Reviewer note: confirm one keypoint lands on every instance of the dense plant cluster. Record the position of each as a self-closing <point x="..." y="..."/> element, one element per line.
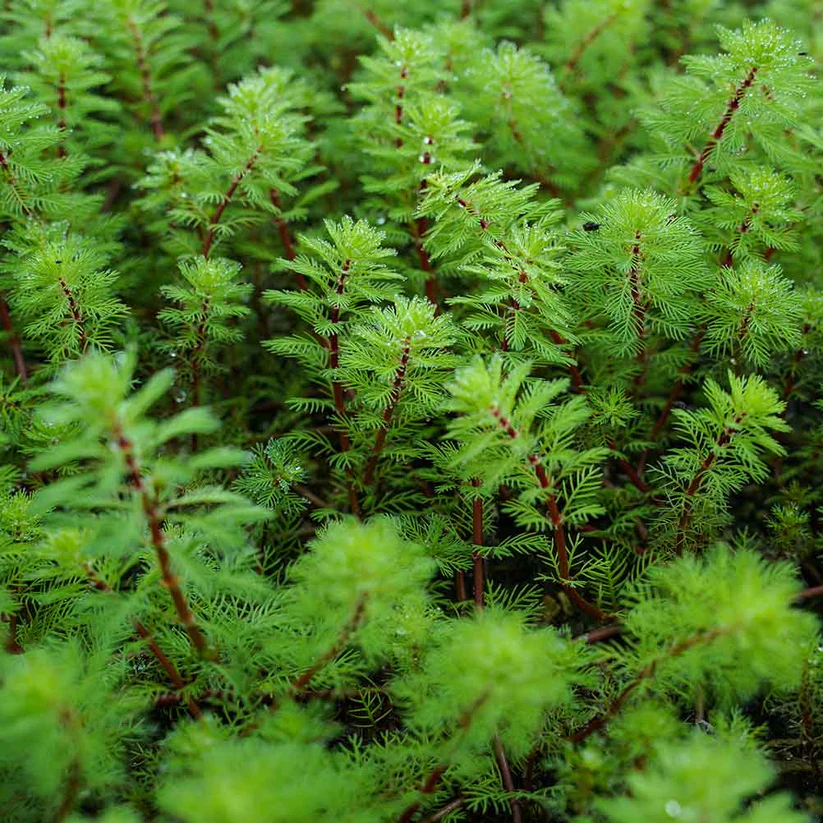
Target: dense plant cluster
<point x="411" y="411"/>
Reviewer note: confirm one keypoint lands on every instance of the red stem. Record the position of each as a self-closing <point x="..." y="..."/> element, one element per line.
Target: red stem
<point x="73" y="782"/>
<point x="685" y="518"/>
<point x="580" y="49"/>
<point x="645" y="673"/>
<point x="717" y="134"/>
<point x="158" y="541"/>
<point x="436" y="774"/>
<point x="76" y="313"/>
<point x="302" y="682"/>
<point x="285" y="238"/>
<point x="166" y="664"/>
<point x="14" y="341"/>
<point x="677" y="389"/>
<point x="506" y="779"/>
<point x="556" y="519"/>
<point x="337" y="387"/>
<point x="478" y="570"/>
<point x="558" y="338"/>
<point x="149" y="96"/>
<point x="397" y="389"/>
<point x="218" y="212"/>
<point x="61" y="105"/>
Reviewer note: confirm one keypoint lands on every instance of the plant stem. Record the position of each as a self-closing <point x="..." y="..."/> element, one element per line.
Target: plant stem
<point x="71" y="791"/>
<point x="76" y="313"/>
<point x="677" y="388"/>
<point x="506" y="779"/>
<point x="477" y="558"/>
<point x="570" y="66"/>
<point x="640" y="310"/>
<point x="218" y="212"/>
<point x="158" y="541"/>
<point x="434" y="777"/>
<point x="717" y="134"/>
<point x="14" y="341"/>
<point x="149" y="96"/>
<point x="447" y="809"/>
<point x="688" y="506"/>
<point x="337" y="387"/>
<point x="285" y="237"/>
<point x="743" y="228"/>
<point x="646" y="673"/>
<point x="394" y="397"/>
<point x="61" y="106"/>
<point x="166" y="664"/>
<point x="12" y="646"/>
<point x="556" y="519"/>
<point x="558" y="338"/>
<point x="300" y="684"/>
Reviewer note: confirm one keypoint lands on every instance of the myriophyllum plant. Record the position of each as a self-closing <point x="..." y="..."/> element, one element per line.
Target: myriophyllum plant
<point x="410" y="412"/>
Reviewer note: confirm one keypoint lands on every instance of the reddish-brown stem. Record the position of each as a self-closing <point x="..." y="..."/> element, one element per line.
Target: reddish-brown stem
<point x="285" y="238"/>
<point x="76" y="313"/>
<point x="200" y="338"/>
<point x="13" y="183"/>
<point x="373" y="18"/>
<point x="301" y="683"/>
<point x="798" y="357"/>
<point x="151" y="510"/>
<point x="640" y="308"/>
<point x="677" y="388"/>
<point x="214" y="31"/>
<point x="73" y="782"/>
<point x="447" y="809"/>
<point x="223" y="205"/>
<point x="478" y="570"/>
<point x="580" y="49"/>
<point x="460" y="586"/>
<point x="743" y="228"/>
<point x="61" y="106"/>
<point x="558" y="338"/>
<point x="717" y="134"/>
<point x="14" y="341"/>
<point x="398" y="106"/>
<point x="337" y="387"/>
<point x="556" y="519"/>
<point x="646" y="673"/>
<point x="11" y="645"/>
<point x="722" y="441"/>
<point x="165" y="663"/>
<point x="600" y="634"/>
<point x="421" y="226"/>
<point x="506" y="779"/>
<point x="465" y="9"/>
<point x="149" y="96"/>
<point x="435" y="776"/>
<point x="808" y="594"/>
<point x="631" y="472"/>
<point x="398" y="385"/>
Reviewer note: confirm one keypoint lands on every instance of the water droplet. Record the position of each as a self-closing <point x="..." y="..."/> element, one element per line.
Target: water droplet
<point x="380" y="219"/>
<point x="180" y="397"/>
<point x="674" y="809"/>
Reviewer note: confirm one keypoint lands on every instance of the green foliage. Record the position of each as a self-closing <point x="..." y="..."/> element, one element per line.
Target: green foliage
<point x="410" y="411"/>
<point x="699" y="777"/>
